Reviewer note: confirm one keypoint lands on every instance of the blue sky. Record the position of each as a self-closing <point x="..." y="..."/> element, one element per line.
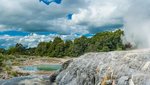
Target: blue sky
<point x="30" y="21"/>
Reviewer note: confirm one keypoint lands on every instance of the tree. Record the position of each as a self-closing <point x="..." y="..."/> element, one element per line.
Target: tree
<point x="79" y="46"/>
<point x="11" y="50"/>
<point x="2" y="58"/>
<point x="41" y="49"/>
<point x="2" y="50"/>
<point x="105" y="49"/>
<point x="59" y="50"/>
<point x="67" y="47"/>
<point x="57" y="40"/>
<point x="102" y="41"/>
<point x="19" y="48"/>
<point x="56" y="47"/>
<point x="30" y="51"/>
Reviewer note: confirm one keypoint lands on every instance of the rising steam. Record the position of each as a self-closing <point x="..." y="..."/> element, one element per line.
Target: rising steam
<point x="137" y="23"/>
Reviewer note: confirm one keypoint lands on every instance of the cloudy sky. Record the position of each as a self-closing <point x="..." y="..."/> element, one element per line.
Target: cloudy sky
<point x="30" y="21"/>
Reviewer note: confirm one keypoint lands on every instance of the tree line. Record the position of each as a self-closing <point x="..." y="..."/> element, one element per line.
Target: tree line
<point x="100" y="42"/>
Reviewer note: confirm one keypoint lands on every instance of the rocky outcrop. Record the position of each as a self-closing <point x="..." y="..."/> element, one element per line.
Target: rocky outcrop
<point x="108" y="68"/>
<point x="54" y="75"/>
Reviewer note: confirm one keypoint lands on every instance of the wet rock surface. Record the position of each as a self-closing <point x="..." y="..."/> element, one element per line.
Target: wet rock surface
<point x="108" y="68"/>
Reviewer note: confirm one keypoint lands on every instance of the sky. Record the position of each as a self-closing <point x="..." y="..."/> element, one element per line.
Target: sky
<point x="29" y="21"/>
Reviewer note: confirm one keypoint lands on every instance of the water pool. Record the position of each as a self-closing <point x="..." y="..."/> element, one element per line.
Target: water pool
<point x="49" y="67"/>
<point x="29" y="68"/>
<point x="42" y="67"/>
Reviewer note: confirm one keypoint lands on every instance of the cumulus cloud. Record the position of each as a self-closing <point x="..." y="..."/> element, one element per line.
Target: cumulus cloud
<point x="2" y="27"/>
<point x="32" y="16"/>
<point x="31" y="40"/>
<point x="102" y="13"/>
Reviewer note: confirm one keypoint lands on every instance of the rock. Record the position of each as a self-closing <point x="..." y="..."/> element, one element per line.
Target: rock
<point x="146" y="65"/>
<point x="65" y="65"/>
<point x="123" y="80"/>
<point x="54" y="75"/>
<point x="35" y="81"/>
<point x="131" y="82"/>
<point x="109" y="82"/>
<point x="2" y="81"/>
<point x="28" y="80"/>
<point x="95" y="68"/>
<point x="113" y="82"/>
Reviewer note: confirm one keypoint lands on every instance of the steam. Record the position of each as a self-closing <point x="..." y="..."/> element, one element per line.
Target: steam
<point x="137" y="24"/>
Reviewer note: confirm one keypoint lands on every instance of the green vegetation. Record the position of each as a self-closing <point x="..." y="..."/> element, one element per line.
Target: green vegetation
<point x="101" y="42"/>
<point x="6" y="63"/>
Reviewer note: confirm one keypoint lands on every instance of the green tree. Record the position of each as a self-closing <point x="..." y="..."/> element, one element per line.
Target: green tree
<point x="105" y="49"/>
<point x="2" y="58"/>
<point x="79" y="46"/>
<point x="56" y="48"/>
<point x="68" y="46"/>
<point x="11" y="50"/>
<point x="2" y="50"/>
<point x="59" y="50"/>
<point x="102" y="41"/>
<point x="19" y="48"/>
<point x="41" y="49"/>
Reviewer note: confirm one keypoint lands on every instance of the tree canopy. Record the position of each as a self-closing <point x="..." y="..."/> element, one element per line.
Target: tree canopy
<point x="100" y="42"/>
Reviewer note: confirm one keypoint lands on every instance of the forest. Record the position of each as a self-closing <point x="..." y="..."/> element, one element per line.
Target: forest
<point x="100" y="42"/>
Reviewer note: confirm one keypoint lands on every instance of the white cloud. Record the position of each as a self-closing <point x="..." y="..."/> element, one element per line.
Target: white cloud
<point x="2" y="27"/>
<point x="31" y="15"/>
<point x="101" y="12"/>
<point x="31" y="40"/>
